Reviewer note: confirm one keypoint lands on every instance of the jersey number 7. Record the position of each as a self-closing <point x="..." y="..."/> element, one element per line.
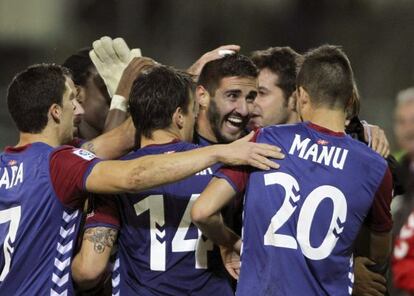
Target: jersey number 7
<point x="12" y="215"/>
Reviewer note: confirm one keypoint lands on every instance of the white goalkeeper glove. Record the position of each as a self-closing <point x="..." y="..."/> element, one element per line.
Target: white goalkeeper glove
<point x="110" y="58"/>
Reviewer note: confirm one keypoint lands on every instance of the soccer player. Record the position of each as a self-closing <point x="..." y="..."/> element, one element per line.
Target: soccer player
<point x="92" y="94"/>
<point x="276" y="101"/>
<point x="225" y="88"/>
<point x="160" y="252"/>
<point x="301" y="221"/>
<point x="42" y="183"/>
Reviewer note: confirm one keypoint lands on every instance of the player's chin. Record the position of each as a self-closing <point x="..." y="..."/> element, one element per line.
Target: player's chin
<point x="255" y="123"/>
<point x="232" y="136"/>
<point x="75" y="132"/>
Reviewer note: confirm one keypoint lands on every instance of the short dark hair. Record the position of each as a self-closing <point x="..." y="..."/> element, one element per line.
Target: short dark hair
<point x="327" y="76"/>
<point x="284" y="62"/>
<point x="32" y="92"/>
<point x="156" y="95"/>
<point x="230" y="65"/>
<point x="80" y="65"/>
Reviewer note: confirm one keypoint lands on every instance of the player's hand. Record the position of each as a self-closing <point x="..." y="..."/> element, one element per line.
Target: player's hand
<point x="137" y="66"/>
<point x="110" y="58"/>
<point x="243" y="152"/>
<point x="215" y="54"/>
<point x="367" y="283"/>
<point x="231" y="259"/>
<point x="377" y="140"/>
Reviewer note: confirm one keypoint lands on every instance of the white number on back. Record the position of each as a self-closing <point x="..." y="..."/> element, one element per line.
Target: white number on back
<point x="201" y="246"/>
<point x="306" y="215"/>
<point x="11" y="215"/>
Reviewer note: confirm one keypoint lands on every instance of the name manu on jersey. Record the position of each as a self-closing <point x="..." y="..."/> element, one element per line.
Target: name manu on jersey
<point x="318" y="152"/>
<point x="11" y="175"/>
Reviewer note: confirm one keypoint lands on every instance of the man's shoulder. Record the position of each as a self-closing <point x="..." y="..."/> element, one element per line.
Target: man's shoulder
<point x="176" y="146"/>
<point x="366" y="152"/>
<point x="282" y="128"/>
<point x="278" y="132"/>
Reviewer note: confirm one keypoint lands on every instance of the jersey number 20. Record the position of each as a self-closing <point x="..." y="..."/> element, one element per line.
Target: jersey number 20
<point x="306" y="215"/>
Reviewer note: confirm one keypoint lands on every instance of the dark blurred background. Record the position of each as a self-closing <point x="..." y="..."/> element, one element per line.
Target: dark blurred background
<point x="376" y="34"/>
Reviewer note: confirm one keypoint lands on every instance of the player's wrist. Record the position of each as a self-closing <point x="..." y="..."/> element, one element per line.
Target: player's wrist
<point x="221" y="153"/>
<point x="119" y="102"/>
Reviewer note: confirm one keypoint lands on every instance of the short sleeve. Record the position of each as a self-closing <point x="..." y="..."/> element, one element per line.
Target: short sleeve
<point x="103" y="212"/>
<point x="379" y="218"/>
<point x="69" y="169"/>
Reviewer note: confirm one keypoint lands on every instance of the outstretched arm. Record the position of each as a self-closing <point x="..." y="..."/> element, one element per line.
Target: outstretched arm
<point x="155" y="170"/>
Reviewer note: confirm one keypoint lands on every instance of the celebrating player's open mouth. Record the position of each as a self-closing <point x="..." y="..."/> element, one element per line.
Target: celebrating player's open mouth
<point x="235" y="123"/>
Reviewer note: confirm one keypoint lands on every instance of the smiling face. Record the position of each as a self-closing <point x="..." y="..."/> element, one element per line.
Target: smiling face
<point x="228" y="111"/>
<point x="270" y="106"/>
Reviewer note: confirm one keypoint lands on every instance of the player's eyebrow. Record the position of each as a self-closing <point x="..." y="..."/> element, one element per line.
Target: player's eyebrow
<point x="233" y="91"/>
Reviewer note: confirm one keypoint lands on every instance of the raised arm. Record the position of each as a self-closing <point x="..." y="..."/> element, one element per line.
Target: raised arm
<point x="115" y="143"/>
<point x="218" y="53"/>
<point x="119" y="104"/>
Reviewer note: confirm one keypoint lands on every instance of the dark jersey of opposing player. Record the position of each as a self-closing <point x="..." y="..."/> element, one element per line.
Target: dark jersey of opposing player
<point x="300" y="221"/>
<point x="160" y="252"/>
<point x="39" y="218"/>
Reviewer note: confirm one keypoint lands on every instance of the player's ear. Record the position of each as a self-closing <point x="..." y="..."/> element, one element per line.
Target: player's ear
<point x="292" y="101"/>
<point x="55" y="112"/>
<point x="302" y="97"/>
<point x="202" y="97"/>
<point x="178" y="118"/>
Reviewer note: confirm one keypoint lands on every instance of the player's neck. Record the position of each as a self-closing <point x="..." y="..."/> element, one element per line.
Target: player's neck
<point x="160" y="137"/>
<point x="293" y="118"/>
<point x="46" y="136"/>
<point x="204" y="128"/>
<point x="333" y="120"/>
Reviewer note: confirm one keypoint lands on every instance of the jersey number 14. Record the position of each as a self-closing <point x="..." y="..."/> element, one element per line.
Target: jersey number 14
<point x="155" y="205"/>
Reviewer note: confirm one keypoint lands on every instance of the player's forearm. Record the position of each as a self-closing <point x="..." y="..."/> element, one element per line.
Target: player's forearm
<point x="85" y="278"/>
<point x="149" y="171"/>
<point x="380" y="247"/>
<point x="114" y="143"/>
<point x="214" y="228"/>
<point x="152" y="171"/>
<point x="114" y="119"/>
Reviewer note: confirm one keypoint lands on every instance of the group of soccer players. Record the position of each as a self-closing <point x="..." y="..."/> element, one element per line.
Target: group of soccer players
<point x="236" y="168"/>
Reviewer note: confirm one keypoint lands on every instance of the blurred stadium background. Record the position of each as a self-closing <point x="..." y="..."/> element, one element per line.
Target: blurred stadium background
<point x="376" y="34"/>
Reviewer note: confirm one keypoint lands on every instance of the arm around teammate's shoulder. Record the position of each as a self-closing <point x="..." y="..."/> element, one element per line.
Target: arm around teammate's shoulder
<point x="154" y="170"/>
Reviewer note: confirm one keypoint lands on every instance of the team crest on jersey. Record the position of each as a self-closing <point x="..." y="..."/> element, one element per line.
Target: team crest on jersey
<point x="85" y="154"/>
<point x="322" y="142"/>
